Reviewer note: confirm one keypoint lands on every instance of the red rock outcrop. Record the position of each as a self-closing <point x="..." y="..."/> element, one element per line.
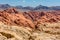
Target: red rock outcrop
<point x="12" y="17"/>
<point x="31" y="18"/>
<point x="42" y="16"/>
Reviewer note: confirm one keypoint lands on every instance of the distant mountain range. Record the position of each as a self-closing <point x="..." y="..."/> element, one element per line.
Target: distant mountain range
<point x="40" y="7"/>
<point x="4" y="6"/>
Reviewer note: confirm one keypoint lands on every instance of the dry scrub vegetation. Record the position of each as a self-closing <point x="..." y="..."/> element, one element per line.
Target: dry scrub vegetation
<point x="45" y="31"/>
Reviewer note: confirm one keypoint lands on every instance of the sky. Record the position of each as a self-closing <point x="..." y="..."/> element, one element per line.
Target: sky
<point x="32" y="3"/>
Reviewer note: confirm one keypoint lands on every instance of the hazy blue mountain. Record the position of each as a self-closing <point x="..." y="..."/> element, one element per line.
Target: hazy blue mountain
<point x="39" y="7"/>
<point x="19" y="7"/>
<point x="28" y="7"/>
<point x="4" y="6"/>
<point x="55" y="7"/>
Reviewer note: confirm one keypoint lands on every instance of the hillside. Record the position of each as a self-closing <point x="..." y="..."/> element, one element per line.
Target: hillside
<point x="30" y="25"/>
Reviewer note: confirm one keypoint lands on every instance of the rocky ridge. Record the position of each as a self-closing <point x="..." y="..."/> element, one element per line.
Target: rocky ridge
<point x="30" y="18"/>
<point x="31" y="25"/>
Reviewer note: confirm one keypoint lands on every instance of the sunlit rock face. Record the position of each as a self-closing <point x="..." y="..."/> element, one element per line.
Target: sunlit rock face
<point x="48" y="32"/>
<point x="30" y="18"/>
<point x="30" y="25"/>
<point x="42" y="16"/>
<point x="13" y="17"/>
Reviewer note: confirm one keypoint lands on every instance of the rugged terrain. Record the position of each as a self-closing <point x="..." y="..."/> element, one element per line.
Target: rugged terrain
<point x="30" y="25"/>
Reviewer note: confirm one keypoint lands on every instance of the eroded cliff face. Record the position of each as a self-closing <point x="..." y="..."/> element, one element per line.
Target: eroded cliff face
<point x="31" y="25"/>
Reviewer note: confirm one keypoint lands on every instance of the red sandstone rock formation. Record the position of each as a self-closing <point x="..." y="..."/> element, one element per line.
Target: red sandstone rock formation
<point x="13" y="17"/>
<point x="31" y="18"/>
<point x="42" y="16"/>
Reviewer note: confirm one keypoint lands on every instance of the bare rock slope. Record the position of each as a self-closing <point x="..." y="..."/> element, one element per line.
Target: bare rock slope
<point x="31" y="25"/>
